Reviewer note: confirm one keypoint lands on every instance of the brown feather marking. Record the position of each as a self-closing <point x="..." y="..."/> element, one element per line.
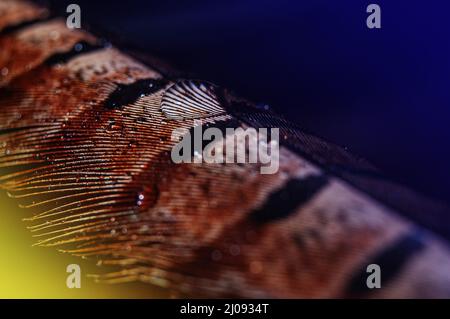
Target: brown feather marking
<point x="13" y="12"/>
<point x="31" y="46"/>
<point x="100" y="183"/>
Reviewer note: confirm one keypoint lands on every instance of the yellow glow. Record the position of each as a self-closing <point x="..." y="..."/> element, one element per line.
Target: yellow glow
<point x="38" y="272"/>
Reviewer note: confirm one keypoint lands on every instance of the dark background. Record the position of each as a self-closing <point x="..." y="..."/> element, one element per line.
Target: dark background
<point x="384" y="94"/>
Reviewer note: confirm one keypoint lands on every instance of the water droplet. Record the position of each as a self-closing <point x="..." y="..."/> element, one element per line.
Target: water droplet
<point x="132" y="143"/>
<point x="78" y="47"/>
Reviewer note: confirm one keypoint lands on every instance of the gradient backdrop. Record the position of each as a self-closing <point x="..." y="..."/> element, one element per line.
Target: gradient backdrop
<point x="384" y="94"/>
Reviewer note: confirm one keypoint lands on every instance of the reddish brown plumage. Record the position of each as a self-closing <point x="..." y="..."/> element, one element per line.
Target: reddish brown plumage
<point x="99" y="181"/>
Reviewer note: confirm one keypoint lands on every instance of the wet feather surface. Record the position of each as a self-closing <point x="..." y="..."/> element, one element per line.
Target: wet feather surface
<point x="85" y="149"/>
